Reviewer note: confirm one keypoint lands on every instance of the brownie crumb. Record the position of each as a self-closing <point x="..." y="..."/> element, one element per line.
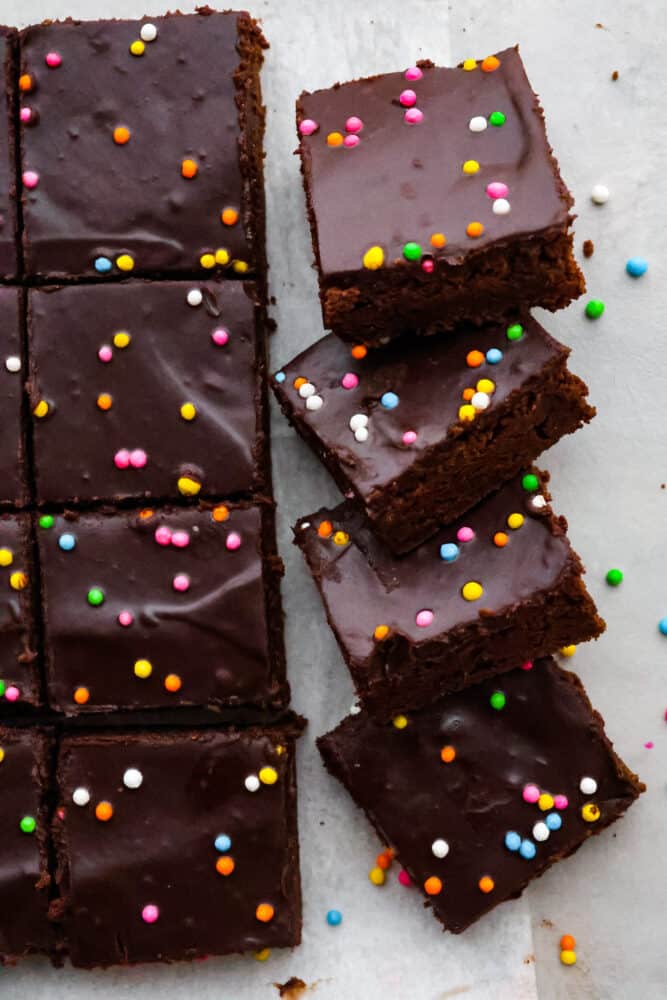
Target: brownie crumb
<point x="546" y="923"/>
<point x="292" y="989"/>
<point x="588" y="248"/>
<point x="614" y="75"/>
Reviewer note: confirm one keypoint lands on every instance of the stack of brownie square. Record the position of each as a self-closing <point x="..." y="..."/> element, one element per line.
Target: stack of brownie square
<point x="439" y="219"/>
<point x="146" y="752"/>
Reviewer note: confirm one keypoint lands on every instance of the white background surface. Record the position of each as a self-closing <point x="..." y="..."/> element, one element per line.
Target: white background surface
<point x="612" y="895"/>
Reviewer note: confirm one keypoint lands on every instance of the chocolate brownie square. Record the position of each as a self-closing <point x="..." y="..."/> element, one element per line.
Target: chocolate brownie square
<point x="418" y="434"/>
<point x="24" y="876"/>
<point x="19" y="676"/>
<point x="488" y="592"/>
<point x="141" y="145"/>
<point x="165" y="608"/>
<point x="148" y="389"/>
<point x="434" y="197"/>
<point x="8" y="221"/>
<point x="13" y="488"/>
<point x="483" y="791"/>
<point x="177" y="845"/>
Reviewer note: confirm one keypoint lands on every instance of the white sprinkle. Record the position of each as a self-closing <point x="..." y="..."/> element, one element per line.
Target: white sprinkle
<point x="314" y="403"/>
<point x="600" y="194"/>
<point x="361" y="434"/>
<point x="480" y="400"/>
<point x="541" y="832"/>
<point x="148" y="32"/>
<point x="13" y="364"/>
<point x="477" y="124"/>
<point x="440" y="848"/>
<point x="588" y="786"/>
<point x="539" y="501"/>
<point x="252" y="783"/>
<point x="354" y="709"/>
<point x="501" y="206"/>
<point x="195" y="297"/>
<point x="80" y="796"/>
<point x="358" y="420"/>
<point x="304" y="525"/>
<point x="133" y="778"/>
<point x="306" y="389"/>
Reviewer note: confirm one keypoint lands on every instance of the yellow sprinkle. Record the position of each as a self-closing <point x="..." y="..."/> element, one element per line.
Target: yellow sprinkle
<point x="545" y="802"/>
<point x="515" y="521"/>
<point x="568" y="650"/>
<point x="470" y="167"/>
<point x="377" y="876"/>
<point x="188" y="487"/>
<point x="262" y="955"/>
<point x="41" y="409"/>
<point x="280" y="749"/>
<point x="125" y="262"/>
<point x="121" y="339"/>
<point x="568" y="957"/>
<point x="373" y="259"/>
<point x="222" y="257"/>
<point x="188" y="411"/>
<point x="469" y="64"/>
<point x="18" y="580"/>
<point x="207" y="260"/>
<point x="268" y="775"/>
<point x="143" y="668"/>
<point x="381" y="632"/>
<point x="472" y="591"/>
<point x="590" y="812"/>
<point x="2" y="755"/>
<point x="240" y="266"/>
<point x="341" y="538"/>
<point x="486" y="385"/>
<point x="137" y="48"/>
<point x="400" y="721"/>
<point x="6" y="557"/>
<point x="466" y="412"/>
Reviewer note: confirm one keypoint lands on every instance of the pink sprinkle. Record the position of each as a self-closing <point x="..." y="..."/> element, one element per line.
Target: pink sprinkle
<point x="138" y="458"/>
<point x="528" y="665"/>
<point x="409" y="437"/>
<point x="122" y="458"/>
<point x="12" y="694"/>
<point x="163" y="535"/>
<point x="349" y="380"/>
<point x="465" y="534"/>
<point x="413" y="116"/>
<point x="181" y="539"/>
<point x="220" y="337"/>
<point x="25" y="114"/>
<point x="424" y="618"/>
<point x="125" y="618"/>
<point x="30" y="179"/>
<point x="105" y="353"/>
<point x="233" y="541"/>
<point x="308" y="126"/>
<point x="404" y="878"/>
<point x="181" y="582"/>
<point x="413" y="73"/>
<point x="350" y="141"/>
<point x="60" y="813"/>
<point x="531" y="793"/>
<point x="150" y="913"/>
<point x="496" y="189"/>
<point x="560" y="801"/>
<point x="53" y="59"/>
<point x="649" y="745"/>
<point x="428" y="265"/>
<point x="354" y="124"/>
<point x="408" y="98"/>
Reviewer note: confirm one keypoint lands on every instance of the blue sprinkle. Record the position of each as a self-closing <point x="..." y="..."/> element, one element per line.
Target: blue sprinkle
<point x="553" y="821"/>
<point x="389" y="400"/>
<point x="67" y="542"/>
<point x="223" y="843"/>
<point x="334" y="918"/>
<point x="279" y="376"/>
<point x="512" y="841"/>
<point x="449" y="552"/>
<point x="527" y="850"/>
<point x="636" y="266"/>
<point x="102" y="265"/>
<point x="493" y="355"/>
<point x="662" y="625"/>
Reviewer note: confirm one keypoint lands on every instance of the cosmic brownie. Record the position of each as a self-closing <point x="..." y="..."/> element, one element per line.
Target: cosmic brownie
<point x="481" y="792"/>
<point x="147" y="389"/>
<point x="177" y="845"/>
<point x="12" y="455"/>
<point x="488" y="592"/>
<point x="141" y="145"/>
<point x="19" y="680"/>
<point x="433" y="196"/>
<point x="24" y="878"/>
<point x="8" y="222"/>
<point x="155" y="609"/>
<point x="418" y="434"/>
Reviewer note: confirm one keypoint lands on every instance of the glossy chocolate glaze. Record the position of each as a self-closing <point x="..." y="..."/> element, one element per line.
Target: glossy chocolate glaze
<point x="12" y="470"/>
<point x="8" y="228"/>
<point x="18" y="666"/>
<point x="547" y="734"/>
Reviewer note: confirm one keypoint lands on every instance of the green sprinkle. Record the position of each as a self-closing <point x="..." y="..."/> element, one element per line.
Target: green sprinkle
<point x="47" y="521"/>
<point x="28" y="824"/>
<point x="96" y="596"/>
<point x="412" y="251"/>
<point x="614" y="577"/>
<point x="2" y="688"/>
<point x="594" y="308"/>
<point x="498" y="700"/>
<point x="515" y="331"/>
<point x="497" y="118"/>
<point x="530" y="482"/>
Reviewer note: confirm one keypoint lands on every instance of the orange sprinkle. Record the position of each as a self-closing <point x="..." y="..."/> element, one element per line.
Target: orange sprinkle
<point x="229" y="216"/>
<point x="173" y="682"/>
<point x="25" y="83"/>
<point x="383" y="861"/>
<point x="225" y="865"/>
<point x="81" y="695"/>
<point x="474" y="359"/>
<point x="447" y="754"/>
<point x="264" y="912"/>
<point x="474" y="229"/>
<point x="433" y="886"/>
<point x="104" y="811"/>
<point x="299" y="381"/>
<point x="359" y="351"/>
<point x="490" y="64"/>
<point x="486" y="883"/>
<point x="467" y="394"/>
<point x="438" y="240"/>
<point x="220" y="513"/>
<point x="121" y="135"/>
<point x="334" y="139"/>
<point x="500" y="539"/>
<point x="104" y="401"/>
<point x="325" y="528"/>
<point x="189" y="169"/>
<point x="146" y="514"/>
<point x="567" y="943"/>
<point x="381" y="632"/>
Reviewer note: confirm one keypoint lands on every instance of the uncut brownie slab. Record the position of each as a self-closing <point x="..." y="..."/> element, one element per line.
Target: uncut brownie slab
<point x="483" y="791"/>
<point x="419" y="434"/>
<point x="177" y="845"/>
<point x="12" y="456"/>
<point x="24" y="878"/>
<point x="141" y="145"/>
<point x="19" y="678"/>
<point x="434" y="197"/>
<point x="147" y="389"/>
<point x="498" y="587"/>
<point x="8" y="224"/>
<point x="157" y="609"/>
